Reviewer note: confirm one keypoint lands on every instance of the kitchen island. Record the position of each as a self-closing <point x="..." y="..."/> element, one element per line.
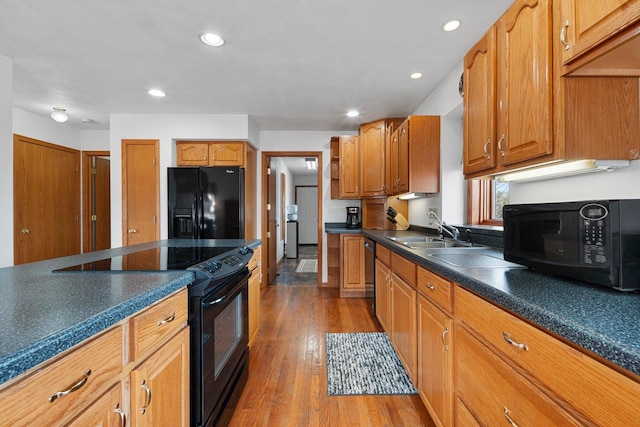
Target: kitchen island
<point x="43" y="313"/>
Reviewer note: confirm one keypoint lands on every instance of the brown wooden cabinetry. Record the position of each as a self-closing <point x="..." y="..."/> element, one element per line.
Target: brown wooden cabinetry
<point x="89" y="384"/>
<point x="435" y="346"/>
<point x="404" y="324"/>
<point x="599" y="38"/>
<point x="383" y="295"/>
<point x="512" y="355"/>
<point x="210" y="153"/>
<point x="345" y="167"/>
<point x="354" y="281"/>
<point x="413" y="151"/>
<point x="374" y="138"/>
<point x="254" y="295"/>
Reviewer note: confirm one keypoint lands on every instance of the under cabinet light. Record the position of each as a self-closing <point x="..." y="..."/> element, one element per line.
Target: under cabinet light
<point x="563" y="169"/>
<point x="411" y="196"/>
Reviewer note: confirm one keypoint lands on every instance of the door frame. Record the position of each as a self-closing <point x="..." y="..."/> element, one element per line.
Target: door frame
<point x="86" y="196"/>
<point x="266" y="156"/>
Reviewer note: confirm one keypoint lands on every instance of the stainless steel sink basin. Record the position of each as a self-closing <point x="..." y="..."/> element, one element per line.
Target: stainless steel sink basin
<point x="429" y="242"/>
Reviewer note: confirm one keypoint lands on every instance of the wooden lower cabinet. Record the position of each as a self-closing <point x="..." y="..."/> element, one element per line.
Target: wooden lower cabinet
<point x="354" y="281"/>
<point x="160" y="385"/>
<point x="404" y="334"/>
<point x="254" y="295"/>
<point x="107" y="411"/>
<point x="435" y="361"/>
<point x="383" y="295"/>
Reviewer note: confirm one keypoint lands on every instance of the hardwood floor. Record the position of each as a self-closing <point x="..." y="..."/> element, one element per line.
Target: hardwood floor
<point x="287" y="382"/>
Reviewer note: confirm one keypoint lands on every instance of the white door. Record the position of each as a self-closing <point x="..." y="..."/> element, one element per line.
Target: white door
<point x="307" y="201"/>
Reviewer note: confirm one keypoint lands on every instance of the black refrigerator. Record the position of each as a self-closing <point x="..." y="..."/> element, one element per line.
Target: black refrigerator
<point x="206" y="202"/>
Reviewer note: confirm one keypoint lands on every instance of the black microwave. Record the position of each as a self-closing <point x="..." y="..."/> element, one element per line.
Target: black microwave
<point x="593" y="241"/>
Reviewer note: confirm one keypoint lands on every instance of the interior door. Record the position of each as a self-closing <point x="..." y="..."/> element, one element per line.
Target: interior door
<point x="140" y="191"/>
<point x="46" y="200"/>
<point x="307" y="201"/>
<point x="272" y="235"/>
<point x="96" y="200"/>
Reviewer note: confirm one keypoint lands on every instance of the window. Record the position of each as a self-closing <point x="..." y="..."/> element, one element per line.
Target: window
<point x="485" y="199"/>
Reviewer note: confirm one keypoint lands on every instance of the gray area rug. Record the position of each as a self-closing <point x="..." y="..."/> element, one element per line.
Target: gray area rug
<point x="364" y="363"/>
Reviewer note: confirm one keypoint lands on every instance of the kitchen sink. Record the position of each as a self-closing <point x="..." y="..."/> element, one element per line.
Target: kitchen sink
<point x="429" y="242"/>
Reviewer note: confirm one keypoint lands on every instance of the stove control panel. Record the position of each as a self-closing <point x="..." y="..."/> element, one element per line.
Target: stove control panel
<point x="223" y="265"/>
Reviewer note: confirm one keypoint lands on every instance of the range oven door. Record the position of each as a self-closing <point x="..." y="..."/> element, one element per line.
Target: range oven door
<point x="219" y="365"/>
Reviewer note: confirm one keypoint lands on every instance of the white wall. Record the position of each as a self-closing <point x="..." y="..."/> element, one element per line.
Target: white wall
<point x="45" y="129"/>
<point x="445" y="101"/>
<point x="167" y="128"/>
<point x="279" y="167"/>
<point x="6" y="161"/>
<point x="332" y="210"/>
<point x="94" y="140"/>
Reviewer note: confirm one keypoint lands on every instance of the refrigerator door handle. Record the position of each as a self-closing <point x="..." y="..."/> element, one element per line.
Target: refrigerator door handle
<point x="195" y="216"/>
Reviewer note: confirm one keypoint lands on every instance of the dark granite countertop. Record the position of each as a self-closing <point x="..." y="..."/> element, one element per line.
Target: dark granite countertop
<point x="44" y="313"/>
<point x="599" y="319"/>
<point x="340" y="228"/>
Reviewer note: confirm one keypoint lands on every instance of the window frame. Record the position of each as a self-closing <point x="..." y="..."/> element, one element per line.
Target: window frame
<point x="480" y="202"/>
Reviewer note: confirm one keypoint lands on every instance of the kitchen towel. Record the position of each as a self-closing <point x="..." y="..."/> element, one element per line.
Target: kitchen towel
<point x="364" y="363"/>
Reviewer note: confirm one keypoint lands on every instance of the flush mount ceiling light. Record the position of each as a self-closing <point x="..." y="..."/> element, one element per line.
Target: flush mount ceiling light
<point x="416" y="76"/>
<point x="353" y="113"/>
<point x="451" y="25"/>
<point x="59" y="115"/>
<point x="311" y="163"/>
<point x="211" y="39"/>
<point x="157" y="93"/>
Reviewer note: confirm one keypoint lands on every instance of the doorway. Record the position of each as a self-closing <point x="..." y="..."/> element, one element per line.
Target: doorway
<point x="270" y="259"/>
<point x="96" y="201"/>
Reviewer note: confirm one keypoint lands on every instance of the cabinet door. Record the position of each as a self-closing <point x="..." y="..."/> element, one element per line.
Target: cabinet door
<point x="107" y="411"/>
<point x="160" y="386"/>
<point x="403" y="157"/>
<point x="353" y="277"/>
<point x="392" y="178"/>
<point x="480" y="105"/>
<point x="226" y="154"/>
<point x="587" y="23"/>
<point x="383" y="302"/>
<point x="372" y="158"/>
<point x="192" y="153"/>
<point x="404" y="335"/>
<point x="524" y="81"/>
<point x="435" y="361"/>
<point x="254" y="302"/>
<point x="349" y="167"/>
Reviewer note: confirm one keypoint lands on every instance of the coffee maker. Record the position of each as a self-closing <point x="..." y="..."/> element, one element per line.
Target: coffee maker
<point x="353" y="217"/>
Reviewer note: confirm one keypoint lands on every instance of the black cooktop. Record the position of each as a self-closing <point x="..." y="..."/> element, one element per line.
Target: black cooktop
<point x="156" y="259"/>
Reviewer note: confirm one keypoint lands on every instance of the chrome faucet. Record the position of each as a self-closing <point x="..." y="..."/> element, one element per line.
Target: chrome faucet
<point x="443" y="227"/>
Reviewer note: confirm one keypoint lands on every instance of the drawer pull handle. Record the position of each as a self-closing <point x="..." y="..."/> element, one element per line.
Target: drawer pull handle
<point x="148" y="391"/>
<point x="71" y="389"/>
<point x="123" y="417"/>
<point x="445" y="332"/>
<point x="167" y="320"/>
<point x="506" y="415"/>
<point x="508" y="339"/>
<point x="563" y="36"/>
<point x="430" y="286"/>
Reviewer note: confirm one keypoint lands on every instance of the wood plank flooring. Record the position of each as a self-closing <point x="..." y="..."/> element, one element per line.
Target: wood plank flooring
<point x="287" y="382"/>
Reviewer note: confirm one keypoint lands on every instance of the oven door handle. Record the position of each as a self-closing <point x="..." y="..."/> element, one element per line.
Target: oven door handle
<point x="214" y="302"/>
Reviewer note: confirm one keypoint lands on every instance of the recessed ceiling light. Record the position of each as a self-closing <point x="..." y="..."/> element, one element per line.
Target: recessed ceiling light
<point x="416" y="75"/>
<point x="211" y="39"/>
<point x="157" y="93"/>
<point x="353" y="113"/>
<point x="451" y="25"/>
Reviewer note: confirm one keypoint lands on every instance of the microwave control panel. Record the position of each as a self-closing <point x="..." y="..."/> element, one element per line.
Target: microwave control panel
<point x="594" y="233"/>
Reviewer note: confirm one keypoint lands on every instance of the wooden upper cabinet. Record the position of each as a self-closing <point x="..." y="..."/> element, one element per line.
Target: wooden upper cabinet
<point x="480" y="105"/>
<point x="226" y="154"/>
<point x="372" y="158"/>
<point x="207" y="153"/>
<point x="392" y="176"/>
<point x="192" y="153"/>
<point x="349" y="167"/>
<point x="524" y="82"/>
<point x="588" y="24"/>
<point x="403" y="157"/>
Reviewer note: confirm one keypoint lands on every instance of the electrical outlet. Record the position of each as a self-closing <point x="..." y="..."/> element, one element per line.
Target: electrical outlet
<point x="435" y="211"/>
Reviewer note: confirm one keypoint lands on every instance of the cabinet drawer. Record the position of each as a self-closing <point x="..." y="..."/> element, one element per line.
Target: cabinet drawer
<point x="604" y="395"/>
<point x="255" y="259"/>
<point x="403" y="268"/>
<point x="383" y="254"/>
<point x="436" y="288"/>
<point x="158" y="323"/>
<point x="29" y="401"/>
<point x="495" y="393"/>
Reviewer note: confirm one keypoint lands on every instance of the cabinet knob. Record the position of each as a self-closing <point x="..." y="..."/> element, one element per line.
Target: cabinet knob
<point x="25" y="231"/>
<point x="205" y="158"/>
<point x="132" y="231"/>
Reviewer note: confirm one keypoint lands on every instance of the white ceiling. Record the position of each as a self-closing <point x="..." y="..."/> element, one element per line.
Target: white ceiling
<point x="288" y="64"/>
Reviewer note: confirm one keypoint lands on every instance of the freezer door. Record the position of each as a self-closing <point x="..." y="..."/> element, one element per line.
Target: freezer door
<point x="222" y="195"/>
<point x="183" y="201"/>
